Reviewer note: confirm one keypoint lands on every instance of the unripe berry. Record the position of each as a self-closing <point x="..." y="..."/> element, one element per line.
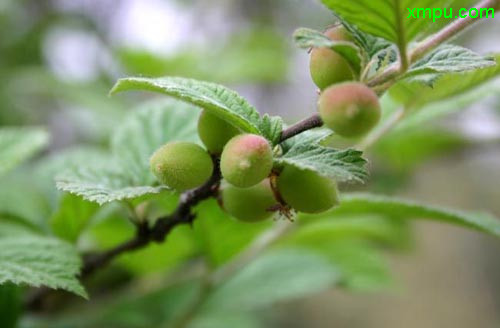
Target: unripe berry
<point x="249" y="204"/>
<point x="215" y="132"/>
<point x="328" y="67"/>
<point x="306" y="191"/>
<point x="349" y="109"/>
<point x="181" y="165"/>
<point x="246" y="160"/>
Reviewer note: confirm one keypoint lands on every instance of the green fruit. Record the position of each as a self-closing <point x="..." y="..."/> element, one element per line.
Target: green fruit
<point x="328" y="67"/>
<point x="246" y="160"/>
<point x="215" y="132"/>
<point x="249" y="204"/>
<point x="306" y="191"/>
<point x="349" y="109"/>
<point x="181" y="165"/>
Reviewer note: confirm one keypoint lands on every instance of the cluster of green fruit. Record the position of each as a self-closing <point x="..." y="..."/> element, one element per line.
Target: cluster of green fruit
<point x="349" y="108"/>
<point x="246" y="164"/>
<point x="252" y="188"/>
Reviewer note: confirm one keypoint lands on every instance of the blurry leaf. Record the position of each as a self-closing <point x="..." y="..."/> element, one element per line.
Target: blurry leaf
<point x="40" y="261"/>
<point x="354" y="204"/>
<point x="342" y="165"/>
<point x="72" y="216"/>
<point x="21" y="199"/>
<point x="449" y="59"/>
<point x="11" y="227"/>
<point x="361" y="266"/>
<point x="136" y="309"/>
<point x="102" y="183"/>
<point x="230" y="319"/>
<point x="254" y="55"/>
<point x="223" y="102"/>
<point x="18" y="144"/>
<point x="10" y="305"/>
<point x="221" y="236"/>
<point x="309" y="38"/>
<point x="329" y="227"/>
<point x="179" y="246"/>
<point x="409" y="148"/>
<point x="49" y="167"/>
<point x="275" y="276"/>
<point x="345" y="241"/>
<point x="146" y="129"/>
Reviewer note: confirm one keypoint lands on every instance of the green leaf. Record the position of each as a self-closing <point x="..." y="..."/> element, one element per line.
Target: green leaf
<point x="276" y="276"/>
<point x="370" y="44"/>
<point x="40" y="261"/>
<point x="102" y="183"/>
<point x="449" y="59"/>
<point x="403" y="209"/>
<point x="387" y="19"/>
<point x="18" y="144"/>
<point x="309" y="38"/>
<point x="446" y="88"/>
<point x="126" y="174"/>
<point x="271" y="127"/>
<point x="449" y="94"/>
<point x="216" y="98"/>
<point x="72" y="217"/>
<point x="148" y="128"/>
<point x="342" y="165"/>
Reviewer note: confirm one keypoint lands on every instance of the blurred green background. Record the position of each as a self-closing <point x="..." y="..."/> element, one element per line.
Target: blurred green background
<point x="58" y="60"/>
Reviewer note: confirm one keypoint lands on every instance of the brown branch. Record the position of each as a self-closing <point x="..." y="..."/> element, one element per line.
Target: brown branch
<point x="449" y="31"/>
<point x="145" y="234"/>
<point x="311" y="122"/>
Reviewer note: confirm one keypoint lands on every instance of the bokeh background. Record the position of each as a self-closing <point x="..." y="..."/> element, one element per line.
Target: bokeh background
<point x="58" y="60"/>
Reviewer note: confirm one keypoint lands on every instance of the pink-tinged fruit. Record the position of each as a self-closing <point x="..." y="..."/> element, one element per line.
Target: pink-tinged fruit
<point x="328" y="67"/>
<point x="350" y="109"/>
<point x="246" y="160"/>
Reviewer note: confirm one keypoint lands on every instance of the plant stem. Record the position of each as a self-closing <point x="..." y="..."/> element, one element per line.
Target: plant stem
<point x="263" y="242"/>
<point x="401" y="42"/>
<point x="448" y="32"/>
<point x="391" y="121"/>
<point x="314" y="121"/>
<point x="187" y="316"/>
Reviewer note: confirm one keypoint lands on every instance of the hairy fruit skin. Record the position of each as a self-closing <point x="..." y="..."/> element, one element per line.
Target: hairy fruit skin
<point x="215" y="132"/>
<point x="349" y="109"/>
<point x="181" y="165"/>
<point x="306" y="191"/>
<point x="328" y="67"/>
<point x="249" y="204"/>
<point x="246" y="160"/>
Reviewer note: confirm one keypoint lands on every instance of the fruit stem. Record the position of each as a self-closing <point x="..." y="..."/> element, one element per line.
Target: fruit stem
<point x="448" y="32"/>
<point x="387" y="125"/>
<point x="314" y="121"/>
